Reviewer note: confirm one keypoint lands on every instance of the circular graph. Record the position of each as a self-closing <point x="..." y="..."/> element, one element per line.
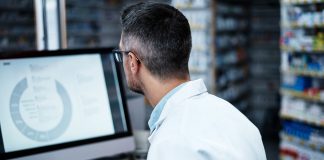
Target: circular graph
<point x="35" y="111"/>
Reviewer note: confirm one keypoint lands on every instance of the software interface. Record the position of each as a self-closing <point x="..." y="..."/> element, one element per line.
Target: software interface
<point x="53" y="100"/>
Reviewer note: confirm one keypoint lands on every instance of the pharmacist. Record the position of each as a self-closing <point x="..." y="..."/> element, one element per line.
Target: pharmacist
<point x="187" y="122"/>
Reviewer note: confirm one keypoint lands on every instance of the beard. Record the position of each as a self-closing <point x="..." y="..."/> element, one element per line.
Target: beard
<point x="134" y="85"/>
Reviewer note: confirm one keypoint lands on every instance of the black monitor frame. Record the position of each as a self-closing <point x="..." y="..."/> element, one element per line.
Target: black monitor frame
<point x="101" y="51"/>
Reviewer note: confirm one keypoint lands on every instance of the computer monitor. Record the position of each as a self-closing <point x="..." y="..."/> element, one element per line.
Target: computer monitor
<point x="65" y="104"/>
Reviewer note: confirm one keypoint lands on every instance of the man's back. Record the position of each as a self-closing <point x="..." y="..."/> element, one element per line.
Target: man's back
<point x="203" y="126"/>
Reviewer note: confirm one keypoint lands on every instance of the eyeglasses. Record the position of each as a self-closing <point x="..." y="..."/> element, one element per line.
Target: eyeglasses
<point x="119" y="55"/>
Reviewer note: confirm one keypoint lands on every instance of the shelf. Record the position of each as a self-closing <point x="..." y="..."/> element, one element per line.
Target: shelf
<point x="304" y="72"/>
<point x="16" y="22"/>
<point x="241" y="94"/>
<point x="85" y="34"/>
<point x="304" y="2"/>
<point x="17" y="47"/>
<point x="200" y="29"/>
<point x="236" y="15"/>
<point x="301" y="142"/>
<point x="240" y="63"/>
<point x="229" y="83"/>
<point x="220" y="31"/>
<point x="296" y="26"/>
<point x="232" y="47"/>
<point x="24" y="8"/>
<point x="199" y="49"/>
<point x="27" y="34"/>
<point x="115" y="7"/>
<point x="289" y="117"/>
<point x="197" y="71"/>
<point x="289" y="49"/>
<point x="82" y="20"/>
<point x="301" y="131"/>
<point x="302" y="95"/>
<point x="268" y="30"/>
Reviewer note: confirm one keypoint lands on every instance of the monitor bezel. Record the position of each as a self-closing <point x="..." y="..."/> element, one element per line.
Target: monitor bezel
<point x="44" y="149"/>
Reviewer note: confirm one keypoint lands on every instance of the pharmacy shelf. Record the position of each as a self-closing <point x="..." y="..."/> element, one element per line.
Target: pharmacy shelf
<point x="241" y="90"/>
<point x="296" y="137"/>
<point x="231" y="20"/>
<point x="241" y="63"/>
<point x="304" y="72"/>
<point x="236" y="15"/>
<point x="231" y="83"/>
<point x="84" y="34"/>
<point x="298" y="26"/>
<point x="292" y="50"/>
<point x="232" y="47"/>
<point x="6" y="22"/>
<point x="201" y="63"/>
<point x="302" y="142"/>
<point x="199" y="49"/>
<point x="21" y="8"/>
<point x="303" y="2"/>
<point x="113" y="7"/>
<point x="197" y="71"/>
<point x="92" y="23"/>
<point x="301" y="95"/>
<point x="293" y="118"/>
<point x="232" y="31"/>
<point x="241" y="97"/>
<point x="17" y="26"/>
<point x="15" y="47"/>
<point x="23" y="34"/>
<point x="197" y="28"/>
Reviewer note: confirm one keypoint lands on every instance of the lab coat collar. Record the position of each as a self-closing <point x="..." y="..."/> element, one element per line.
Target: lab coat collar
<point x="190" y="89"/>
<point x="159" y="107"/>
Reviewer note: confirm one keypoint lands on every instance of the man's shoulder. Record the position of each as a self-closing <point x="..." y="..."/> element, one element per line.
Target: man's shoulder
<point x="207" y="102"/>
<point x="210" y="113"/>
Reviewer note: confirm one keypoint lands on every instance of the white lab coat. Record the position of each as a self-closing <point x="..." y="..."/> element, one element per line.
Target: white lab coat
<point x="195" y="125"/>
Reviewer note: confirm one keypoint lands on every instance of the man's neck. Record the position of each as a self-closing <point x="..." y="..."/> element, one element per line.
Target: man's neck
<point x="155" y="90"/>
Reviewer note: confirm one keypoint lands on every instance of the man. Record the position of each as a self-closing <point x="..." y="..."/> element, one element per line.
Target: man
<point x="187" y="123"/>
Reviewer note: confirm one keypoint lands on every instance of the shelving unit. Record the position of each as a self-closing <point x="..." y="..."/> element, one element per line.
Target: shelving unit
<point x="231" y="57"/>
<point x="93" y="23"/>
<point x="201" y="61"/>
<point x="302" y="50"/>
<point x="309" y="144"/>
<point x="17" y="25"/>
<point x="302" y="120"/>
<point x="302" y="95"/>
<point x="301" y="2"/>
<point x="264" y="60"/>
<point x="302" y="70"/>
<point x="220" y="41"/>
<point x="300" y="141"/>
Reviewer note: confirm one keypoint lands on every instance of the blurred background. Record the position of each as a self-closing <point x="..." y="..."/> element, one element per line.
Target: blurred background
<point x="266" y="57"/>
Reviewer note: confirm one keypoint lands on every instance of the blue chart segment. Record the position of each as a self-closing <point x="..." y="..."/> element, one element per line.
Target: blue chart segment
<point x="27" y="130"/>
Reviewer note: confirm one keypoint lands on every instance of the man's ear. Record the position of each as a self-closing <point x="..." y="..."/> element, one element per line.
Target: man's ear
<point x="133" y="63"/>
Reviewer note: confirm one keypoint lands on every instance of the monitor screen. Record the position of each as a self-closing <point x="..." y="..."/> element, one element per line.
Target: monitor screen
<point x="60" y="100"/>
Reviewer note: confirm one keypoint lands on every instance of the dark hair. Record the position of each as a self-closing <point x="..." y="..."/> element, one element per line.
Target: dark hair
<point x="160" y="35"/>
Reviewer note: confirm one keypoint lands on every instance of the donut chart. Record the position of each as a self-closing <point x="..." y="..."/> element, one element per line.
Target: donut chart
<point x="29" y="131"/>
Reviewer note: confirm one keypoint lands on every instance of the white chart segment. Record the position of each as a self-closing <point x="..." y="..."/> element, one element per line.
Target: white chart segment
<point x="53" y="100"/>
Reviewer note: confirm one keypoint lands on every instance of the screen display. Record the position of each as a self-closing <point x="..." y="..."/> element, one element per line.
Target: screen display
<point x="53" y="100"/>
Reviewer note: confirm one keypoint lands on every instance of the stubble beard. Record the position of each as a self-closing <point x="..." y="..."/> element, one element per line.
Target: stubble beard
<point x="135" y="86"/>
